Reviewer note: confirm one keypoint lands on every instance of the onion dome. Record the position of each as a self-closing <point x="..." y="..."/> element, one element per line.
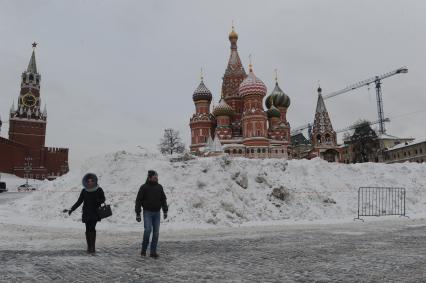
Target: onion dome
<point x="202" y="92"/>
<point x="233" y="36"/>
<point x="273" y="112"/>
<point x="223" y="109"/>
<point x="252" y="85"/>
<point x="277" y="98"/>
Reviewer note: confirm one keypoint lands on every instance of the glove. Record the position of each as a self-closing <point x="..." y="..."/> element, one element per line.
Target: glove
<point x="138" y="218"/>
<point x="165" y="215"/>
<point x="69" y="212"/>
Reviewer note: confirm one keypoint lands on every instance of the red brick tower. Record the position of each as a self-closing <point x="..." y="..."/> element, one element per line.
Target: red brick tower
<point x="223" y="113"/>
<point x="28" y="123"/>
<point x="254" y="120"/>
<point x="202" y="122"/>
<point x="24" y="153"/>
<point x="234" y="75"/>
<point x="274" y="117"/>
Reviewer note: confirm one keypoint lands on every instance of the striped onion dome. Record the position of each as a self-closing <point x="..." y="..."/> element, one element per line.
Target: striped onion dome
<point x="277" y="98"/>
<point x="202" y="93"/>
<point x="223" y="109"/>
<point x="252" y="85"/>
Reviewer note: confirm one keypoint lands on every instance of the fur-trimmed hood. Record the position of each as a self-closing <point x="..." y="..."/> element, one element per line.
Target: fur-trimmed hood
<point x="89" y="176"/>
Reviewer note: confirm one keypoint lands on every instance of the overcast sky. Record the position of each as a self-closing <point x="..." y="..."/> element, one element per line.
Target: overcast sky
<point x="116" y="73"/>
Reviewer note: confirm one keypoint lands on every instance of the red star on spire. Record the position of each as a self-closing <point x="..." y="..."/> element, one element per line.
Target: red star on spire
<point x="34" y="44"/>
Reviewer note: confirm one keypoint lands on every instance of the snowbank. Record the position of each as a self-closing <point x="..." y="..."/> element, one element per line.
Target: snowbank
<point x="221" y="191"/>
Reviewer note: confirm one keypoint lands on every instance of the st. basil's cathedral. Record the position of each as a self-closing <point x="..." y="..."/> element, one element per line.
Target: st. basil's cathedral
<point x="239" y="123"/>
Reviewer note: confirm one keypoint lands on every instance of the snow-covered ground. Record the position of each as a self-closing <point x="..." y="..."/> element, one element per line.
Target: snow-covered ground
<point x="220" y="191"/>
<point x="13" y="182"/>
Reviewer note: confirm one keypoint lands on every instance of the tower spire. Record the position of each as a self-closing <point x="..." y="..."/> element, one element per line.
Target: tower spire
<point x="323" y="129"/>
<point x="320" y="103"/>
<point x="32" y="66"/>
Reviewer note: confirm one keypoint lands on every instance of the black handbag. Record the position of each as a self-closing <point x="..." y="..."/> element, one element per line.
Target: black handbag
<point x="104" y="211"/>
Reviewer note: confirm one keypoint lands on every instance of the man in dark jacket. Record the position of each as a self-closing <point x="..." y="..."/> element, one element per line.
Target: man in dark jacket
<point x="152" y="198"/>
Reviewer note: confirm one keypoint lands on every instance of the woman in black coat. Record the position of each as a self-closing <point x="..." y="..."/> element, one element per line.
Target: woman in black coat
<point x="92" y="196"/>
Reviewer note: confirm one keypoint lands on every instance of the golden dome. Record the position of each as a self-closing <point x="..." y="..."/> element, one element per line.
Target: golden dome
<point x="233" y="34"/>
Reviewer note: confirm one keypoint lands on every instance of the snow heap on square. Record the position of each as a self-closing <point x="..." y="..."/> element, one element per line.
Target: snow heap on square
<point x="221" y="191"/>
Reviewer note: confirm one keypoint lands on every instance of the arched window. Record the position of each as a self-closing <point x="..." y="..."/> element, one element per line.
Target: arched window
<point x="240" y="151"/>
<point x="263" y="150"/>
<point x="31" y="77"/>
<point x="234" y="151"/>
<point x="327" y="138"/>
<point x="318" y="138"/>
<point x="252" y="150"/>
<point x="258" y="150"/>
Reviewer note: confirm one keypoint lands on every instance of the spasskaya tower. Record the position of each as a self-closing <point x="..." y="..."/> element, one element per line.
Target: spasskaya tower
<point x="24" y="153"/>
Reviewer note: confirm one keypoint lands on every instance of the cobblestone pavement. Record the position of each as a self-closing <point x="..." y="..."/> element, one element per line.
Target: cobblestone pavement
<point x="387" y="251"/>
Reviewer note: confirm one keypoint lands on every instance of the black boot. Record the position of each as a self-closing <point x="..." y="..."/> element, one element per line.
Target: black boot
<point x="92" y="240"/>
<point x="88" y="241"/>
<point x="154" y="255"/>
<point x="143" y="252"/>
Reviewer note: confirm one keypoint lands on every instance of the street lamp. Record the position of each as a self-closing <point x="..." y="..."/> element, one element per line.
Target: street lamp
<point x="28" y="168"/>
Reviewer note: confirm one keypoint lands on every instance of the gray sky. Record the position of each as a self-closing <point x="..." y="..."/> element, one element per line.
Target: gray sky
<point x="116" y="73"/>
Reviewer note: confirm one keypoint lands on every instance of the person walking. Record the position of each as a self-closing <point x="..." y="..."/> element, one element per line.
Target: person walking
<point x="152" y="198"/>
<point x="92" y="196"/>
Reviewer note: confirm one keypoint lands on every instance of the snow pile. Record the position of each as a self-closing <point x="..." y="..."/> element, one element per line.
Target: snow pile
<point x="223" y="191"/>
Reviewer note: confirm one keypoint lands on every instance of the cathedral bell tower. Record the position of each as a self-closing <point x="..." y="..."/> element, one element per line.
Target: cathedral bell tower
<point x="27" y="121"/>
<point x="233" y="77"/>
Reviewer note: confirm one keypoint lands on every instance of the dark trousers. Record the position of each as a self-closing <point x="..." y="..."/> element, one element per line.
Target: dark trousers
<point x="90" y="226"/>
<point x="151" y="223"/>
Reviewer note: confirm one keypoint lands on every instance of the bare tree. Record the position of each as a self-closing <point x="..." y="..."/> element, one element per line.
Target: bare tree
<point x="171" y="142"/>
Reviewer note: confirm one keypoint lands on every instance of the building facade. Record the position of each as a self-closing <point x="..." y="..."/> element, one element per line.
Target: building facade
<point x="364" y="145"/>
<point x="24" y="153"/>
<point x="414" y="151"/>
<point x="243" y="127"/>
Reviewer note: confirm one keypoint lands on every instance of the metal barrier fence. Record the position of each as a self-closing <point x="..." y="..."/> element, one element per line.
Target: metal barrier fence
<point x="381" y="201"/>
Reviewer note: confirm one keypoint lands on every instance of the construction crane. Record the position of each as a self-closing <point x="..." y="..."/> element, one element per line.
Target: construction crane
<point x="377" y="80"/>
<point x="309" y="125"/>
<point x="357" y="125"/>
<point x="299" y="129"/>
